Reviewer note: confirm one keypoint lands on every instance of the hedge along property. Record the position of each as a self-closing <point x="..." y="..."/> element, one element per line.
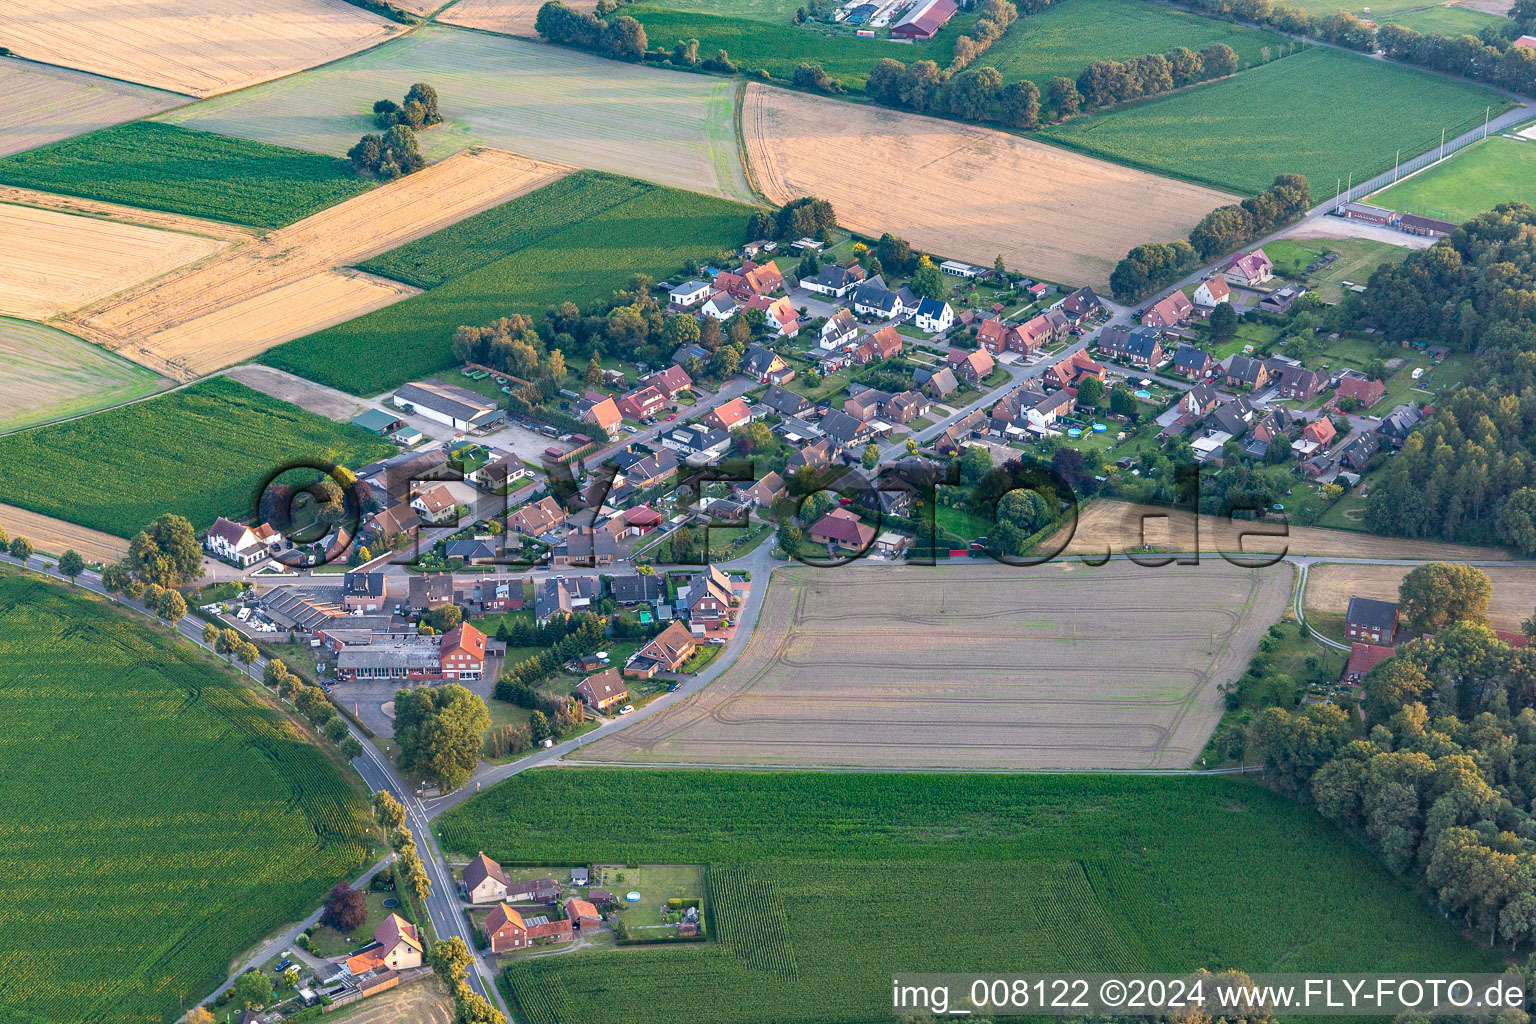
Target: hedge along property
<point x="576" y="240"/>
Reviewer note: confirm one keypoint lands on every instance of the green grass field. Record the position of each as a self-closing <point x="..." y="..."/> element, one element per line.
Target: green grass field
<point x="164" y="167"/>
<point x="1358" y="259"/>
<point x="46" y="374"/>
<point x="542" y="101"/>
<point x="577" y="239"/>
<point x="1322" y="113"/>
<point x="202" y="452"/>
<point x="1485" y="174"/>
<point x="822" y="885"/>
<point x="775" y="12"/>
<point x="1420" y="15"/>
<point x="160" y="817"/>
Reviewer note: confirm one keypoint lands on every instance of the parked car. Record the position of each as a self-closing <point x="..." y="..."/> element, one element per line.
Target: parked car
<point x="626" y="709"/>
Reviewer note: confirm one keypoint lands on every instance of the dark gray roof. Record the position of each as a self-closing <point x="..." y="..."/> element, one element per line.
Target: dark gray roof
<point x="1188" y="357"/>
<point x="636" y="589"/>
<point x="931" y="308"/>
<point x="1370" y="613"/>
<point x="551" y="598"/>
<point x="467" y="549"/>
<point x="841" y="427"/>
<point x="783" y="401"/>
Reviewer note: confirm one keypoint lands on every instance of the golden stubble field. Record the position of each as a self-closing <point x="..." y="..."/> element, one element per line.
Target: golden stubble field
<point x="293" y="281"/>
<point x="199" y="49"/>
<point x="512" y="17"/>
<point x="53" y="261"/>
<point x="961" y="191"/>
<point x="54" y="536"/>
<point x="1331" y="585"/>
<point x="978" y="666"/>
<point x="44" y="104"/>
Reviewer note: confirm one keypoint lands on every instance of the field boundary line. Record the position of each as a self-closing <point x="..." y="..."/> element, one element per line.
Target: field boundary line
<point x="741" y="144"/>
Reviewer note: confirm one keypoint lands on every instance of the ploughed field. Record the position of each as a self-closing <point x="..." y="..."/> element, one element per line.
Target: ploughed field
<point x="159" y="817"/>
<point x="824" y="885"/>
<point x="1062" y="666"/>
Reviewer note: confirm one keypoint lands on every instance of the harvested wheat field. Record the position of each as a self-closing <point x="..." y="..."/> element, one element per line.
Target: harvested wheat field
<point x="1119" y="527"/>
<point x="45" y="104"/>
<point x="54" y="536"/>
<point x="1060" y="666"/>
<point x="53" y="262"/>
<point x="963" y="192"/>
<point x="80" y="207"/>
<point x="513" y="17"/>
<point x="1330" y="586"/>
<point x="286" y="284"/>
<point x="199" y="49"/>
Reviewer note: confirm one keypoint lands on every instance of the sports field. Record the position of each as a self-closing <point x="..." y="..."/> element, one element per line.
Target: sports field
<point x="285" y="284"/>
<point x="1242" y="131"/>
<point x="45" y="104"/>
<point x="577" y="239"/>
<point x="202" y="452"/>
<point x="1480" y="177"/>
<point x="53" y="262"/>
<point x="1331" y="585"/>
<point x="201" y="174"/>
<point x="962" y="191"/>
<point x="46" y="374"/>
<point x="183" y="820"/>
<point x="197" y="47"/>
<point x="974" y="666"/>
<point x="545" y="102"/>
<point x="824" y="884"/>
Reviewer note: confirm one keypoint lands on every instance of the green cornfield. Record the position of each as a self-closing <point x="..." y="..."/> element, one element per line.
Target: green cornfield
<point x="157" y="818"/>
<point x="166" y="167"/>
<point x="821" y="886"/>
<point x="201" y="452"/>
<point x="577" y="240"/>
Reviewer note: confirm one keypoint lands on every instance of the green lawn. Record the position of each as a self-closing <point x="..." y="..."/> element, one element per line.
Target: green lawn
<point x="1240" y="132"/>
<point x="165" y="167"/>
<point x="202" y="452"/>
<point x="1358" y="259"/>
<point x="656" y="883"/>
<point x="576" y="239"/>
<point x="1485" y="174"/>
<point x="1420" y="15"/>
<point x="161" y="816"/>
<point x="328" y="942"/>
<point x="960" y="525"/>
<point x="821" y="882"/>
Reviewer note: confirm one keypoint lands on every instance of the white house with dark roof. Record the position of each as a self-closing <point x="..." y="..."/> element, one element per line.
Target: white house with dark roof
<point x="237" y="543"/>
<point x="933" y="316"/>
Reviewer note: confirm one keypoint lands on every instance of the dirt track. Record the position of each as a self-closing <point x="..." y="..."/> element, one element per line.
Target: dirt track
<point x="961" y="191"/>
<point x="54" y="536"/>
<point x="981" y="666"/>
<point x="199" y="48"/>
<point x="285" y="285"/>
<point x="1329" y="588"/>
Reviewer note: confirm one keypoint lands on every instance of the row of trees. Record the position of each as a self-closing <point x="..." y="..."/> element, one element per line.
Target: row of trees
<point x="1339" y="27"/>
<point x="622" y="38"/>
<point x="1489" y="57"/>
<point x="451" y="960"/>
<point x="1151" y="267"/>
<point x="311" y="701"/>
<point x="992" y="19"/>
<point x="1106" y="82"/>
<point x="975" y="94"/>
<point x="408" y="869"/>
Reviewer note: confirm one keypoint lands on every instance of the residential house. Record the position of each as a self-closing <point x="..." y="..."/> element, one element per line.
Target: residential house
<point x="1199" y="400"/>
<point x="765" y="366"/>
<point x="778" y="314"/>
<point x="429" y="590"/>
<point x="505" y="929"/>
<point x="761" y="278"/>
<point x="498" y="474"/>
<point x="842" y="530"/>
<point x="1369" y="620"/>
<point x="696" y="441"/>
<point x="636" y="521"/>
<point x="538" y="518"/>
<point x="1357" y="454"/>
<point x="971" y="367"/>
<point x="551" y="599"/>
<point x="1242" y="371"/>
<point x="886" y="341"/>
<point x="1320" y="432"/>
<point x="1169" y="312"/>
<point x="906" y="407"/>
<point x="816" y="455"/>
<point x="642" y="403"/>
<point x="443" y="403"/>
<point x="783" y="401"/>
<point x="646" y="470"/>
<point x="766" y="491"/>
<point x="237" y="543"/>
<point x="1191" y="362"/>
<point x="729" y="416"/>
<point x="689" y="294"/>
<point x="602" y="411"/>
<point x="396" y="947"/>
<point x="753" y="249"/>
<point x="1081" y="305"/>
<point x="436" y="506"/>
<point x="707" y="599"/>
<point x="1250" y="269"/>
<point x="1399" y="423"/>
<point x="603" y="690"/>
<point x="839" y="330"/>
<point x="994" y="335"/>
<point x="585" y="546"/>
<point x="1299" y="383"/>
<point x="844" y="429"/>
<point x="637" y="588"/>
<point x="1281" y="299"/>
<point x="833" y="280"/>
<point x="1140" y="346"/>
<point x="1213" y="291"/>
<point x="671" y="382"/>
<point x="386" y="525"/>
<point x="873" y="298"/>
<point x="720" y="306"/>
<point x="364" y="591"/>
<point x="666" y="652"/>
<point x="1074" y="369"/>
<point x="933" y="316"/>
<point x="1361" y="388"/>
<point x="948" y="442"/>
<point x="939" y="383"/>
<point x="1363" y="658"/>
<point x="484" y="881"/>
<point x="1234" y="417"/>
<point x="865" y="404"/>
<point x="690" y="351"/>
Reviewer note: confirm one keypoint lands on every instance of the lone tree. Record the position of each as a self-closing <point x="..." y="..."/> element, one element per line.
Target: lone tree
<point x="439" y="731"/>
<point x="252" y="990"/>
<point x="345" y="909"/>
<point x="171" y="607"/>
<point x="21" y="548"/>
<point x="71" y="564"/>
<point x="1436" y="595"/>
<point x="1223" y="323"/>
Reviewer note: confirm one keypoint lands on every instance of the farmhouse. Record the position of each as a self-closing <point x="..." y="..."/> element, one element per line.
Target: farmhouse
<point x="396" y="947"/>
<point x="484" y="881"/>
<point x="924" y="20"/>
<point x="538" y="518"/>
<point x="1369" y="620"/>
<point x="376" y="421"/>
<point x="239" y="544"/>
<point x="505" y="929"/>
<point x="841" y="530"/>
<point x="1363" y="658"/>
<point x="665" y="653"/>
<point x="1250" y="269"/>
<point x="582" y="914"/>
<point x="603" y="690"/>
<point x="933" y="315"/>
<point x="1169" y="312"/>
<point x="1213" y="291"/>
<point x="443" y="403"/>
